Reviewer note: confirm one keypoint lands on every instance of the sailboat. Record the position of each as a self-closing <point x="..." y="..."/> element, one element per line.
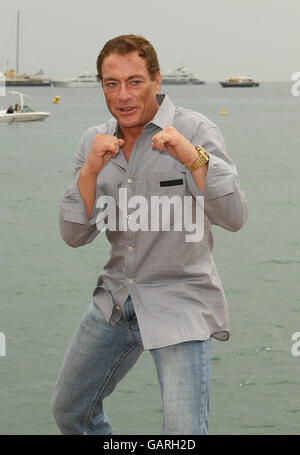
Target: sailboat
<point x="14" y="79"/>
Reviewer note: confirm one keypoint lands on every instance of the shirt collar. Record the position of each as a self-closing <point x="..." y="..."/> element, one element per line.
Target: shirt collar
<point x="164" y="116"/>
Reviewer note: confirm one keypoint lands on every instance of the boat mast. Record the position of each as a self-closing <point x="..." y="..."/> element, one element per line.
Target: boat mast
<point x="18" y="27"/>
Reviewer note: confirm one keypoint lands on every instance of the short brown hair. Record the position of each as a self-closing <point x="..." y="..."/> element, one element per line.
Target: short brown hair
<point x="124" y="44"/>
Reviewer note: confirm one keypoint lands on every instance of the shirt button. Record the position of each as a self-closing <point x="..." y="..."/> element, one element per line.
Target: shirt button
<point x="128" y="216"/>
<point x="117" y="306"/>
<point x="130" y="280"/>
<point x="129" y="180"/>
<point x="130" y="248"/>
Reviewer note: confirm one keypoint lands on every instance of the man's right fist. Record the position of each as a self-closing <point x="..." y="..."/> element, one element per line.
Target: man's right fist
<point x="102" y="150"/>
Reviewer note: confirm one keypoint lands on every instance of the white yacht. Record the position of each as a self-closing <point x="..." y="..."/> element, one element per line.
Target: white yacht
<point x="83" y="79"/>
<point x="181" y="76"/>
<point x="196" y="79"/>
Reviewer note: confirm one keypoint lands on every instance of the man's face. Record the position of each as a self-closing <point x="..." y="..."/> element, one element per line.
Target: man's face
<point x="129" y="90"/>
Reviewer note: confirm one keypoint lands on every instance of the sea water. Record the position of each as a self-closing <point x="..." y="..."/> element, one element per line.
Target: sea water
<point x="46" y="286"/>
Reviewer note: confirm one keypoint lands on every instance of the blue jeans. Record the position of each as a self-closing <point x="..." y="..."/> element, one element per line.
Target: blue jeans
<point x="100" y="355"/>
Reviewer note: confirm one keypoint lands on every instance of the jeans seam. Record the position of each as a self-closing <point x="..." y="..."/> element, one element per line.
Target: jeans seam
<point x="100" y="391"/>
<point x="204" y="389"/>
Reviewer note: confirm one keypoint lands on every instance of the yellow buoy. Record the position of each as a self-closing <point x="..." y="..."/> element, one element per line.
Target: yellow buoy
<point x="223" y="111"/>
<point x="56" y="99"/>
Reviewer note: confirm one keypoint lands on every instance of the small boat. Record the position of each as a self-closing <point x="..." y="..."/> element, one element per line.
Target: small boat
<point x="181" y="76"/>
<point x="239" y="81"/>
<point x="25" y="112"/>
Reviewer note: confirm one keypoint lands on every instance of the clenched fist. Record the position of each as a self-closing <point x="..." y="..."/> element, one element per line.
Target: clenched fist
<point x="171" y="141"/>
<point x="102" y="150"/>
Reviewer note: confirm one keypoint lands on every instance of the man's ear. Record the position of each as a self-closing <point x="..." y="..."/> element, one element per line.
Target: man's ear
<point x="158" y="81"/>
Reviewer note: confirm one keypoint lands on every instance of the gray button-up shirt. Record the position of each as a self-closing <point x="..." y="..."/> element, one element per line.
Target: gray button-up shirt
<point x="174" y="284"/>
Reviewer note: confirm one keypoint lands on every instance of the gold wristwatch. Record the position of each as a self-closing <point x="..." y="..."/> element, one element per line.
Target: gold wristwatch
<point x="200" y="161"/>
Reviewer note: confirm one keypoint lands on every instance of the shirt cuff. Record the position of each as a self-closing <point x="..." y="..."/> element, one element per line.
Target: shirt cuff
<point x="219" y="180"/>
<point x="72" y="206"/>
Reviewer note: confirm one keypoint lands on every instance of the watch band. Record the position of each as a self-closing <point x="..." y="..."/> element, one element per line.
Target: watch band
<point x="200" y="161"/>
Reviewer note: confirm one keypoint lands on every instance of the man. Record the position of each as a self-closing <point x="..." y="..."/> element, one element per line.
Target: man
<point x="158" y="291"/>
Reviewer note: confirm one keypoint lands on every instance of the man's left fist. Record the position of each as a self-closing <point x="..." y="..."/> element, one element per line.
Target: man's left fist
<point x="171" y="141"/>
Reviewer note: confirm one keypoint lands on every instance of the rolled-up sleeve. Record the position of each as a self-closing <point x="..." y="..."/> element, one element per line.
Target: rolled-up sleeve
<point x="75" y="227"/>
<point x="72" y="206"/>
<point x="225" y="203"/>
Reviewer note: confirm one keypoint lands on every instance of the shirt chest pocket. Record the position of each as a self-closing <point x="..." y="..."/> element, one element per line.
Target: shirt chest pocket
<point x="166" y="183"/>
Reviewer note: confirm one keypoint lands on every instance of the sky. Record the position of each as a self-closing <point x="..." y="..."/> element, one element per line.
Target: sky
<point x="215" y="38"/>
